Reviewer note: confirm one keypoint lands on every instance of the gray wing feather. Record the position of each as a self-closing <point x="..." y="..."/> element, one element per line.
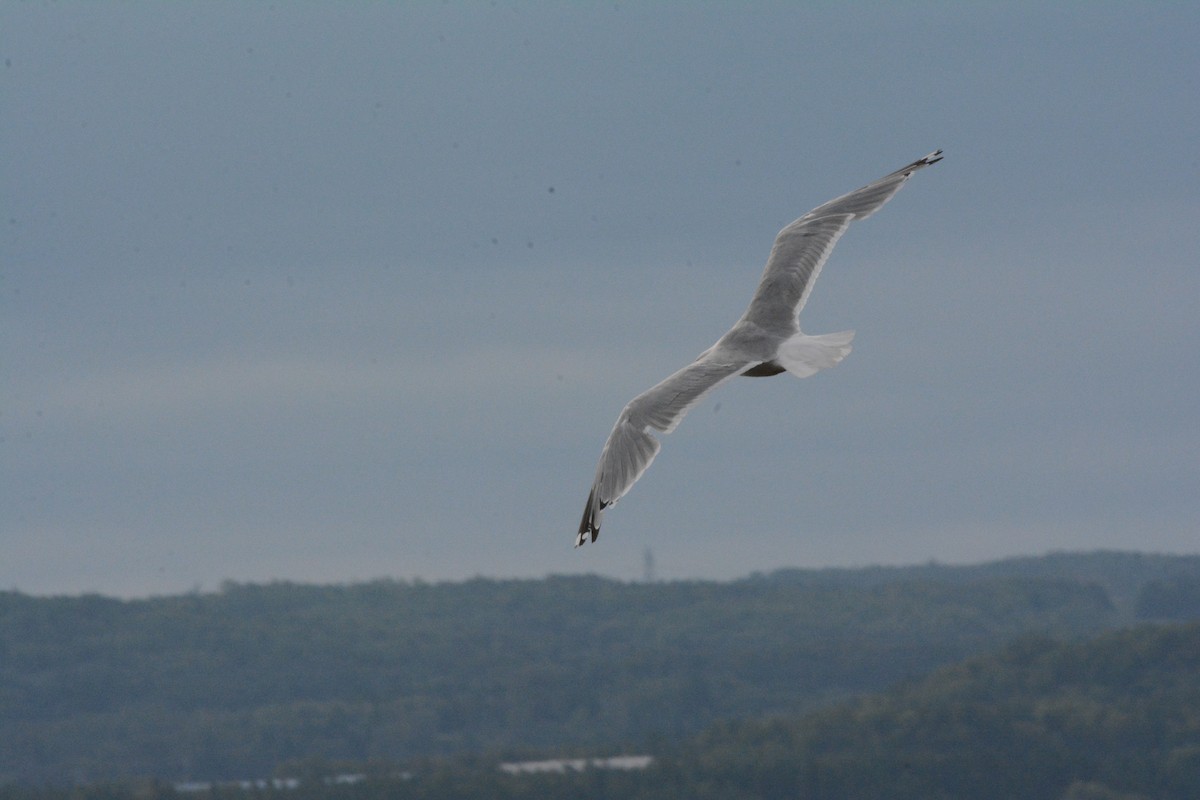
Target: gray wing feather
<point x="864" y="202"/>
<point x="802" y="248"/>
<point x="800" y="251"/>
<point x="631" y="447"/>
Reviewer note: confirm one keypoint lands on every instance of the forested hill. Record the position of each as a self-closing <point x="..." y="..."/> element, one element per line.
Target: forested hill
<point x="1140" y="585"/>
<point x="1116" y="718"/>
<point x="230" y="684"/>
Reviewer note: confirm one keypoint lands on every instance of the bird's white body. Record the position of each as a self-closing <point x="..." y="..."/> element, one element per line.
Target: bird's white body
<point x="767" y="340"/>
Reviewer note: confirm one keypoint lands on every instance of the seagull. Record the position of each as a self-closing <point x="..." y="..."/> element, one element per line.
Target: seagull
<point x="766" y="341"/>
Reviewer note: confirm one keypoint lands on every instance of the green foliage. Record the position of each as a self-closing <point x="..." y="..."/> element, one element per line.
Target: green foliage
<point x="1114" y="718"/>
<point x="232" y="684"/>
<point x="1173" y="598"/>
<point x="1122" y="575"/>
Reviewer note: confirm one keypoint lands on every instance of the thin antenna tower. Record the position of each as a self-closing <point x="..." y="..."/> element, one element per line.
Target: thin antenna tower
<point x="648" y="575"/>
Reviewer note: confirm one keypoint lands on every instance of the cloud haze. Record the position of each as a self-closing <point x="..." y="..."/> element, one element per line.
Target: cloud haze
<point x="331" y="292"/>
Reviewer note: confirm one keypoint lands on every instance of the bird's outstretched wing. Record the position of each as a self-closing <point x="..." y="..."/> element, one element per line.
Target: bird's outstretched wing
<point x="631" y="447"/>
<point x="802" y="247"/>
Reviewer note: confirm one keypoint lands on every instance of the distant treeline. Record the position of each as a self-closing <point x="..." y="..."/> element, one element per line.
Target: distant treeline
<point x="232" y="684"/>
<point x="1115" y="718"/>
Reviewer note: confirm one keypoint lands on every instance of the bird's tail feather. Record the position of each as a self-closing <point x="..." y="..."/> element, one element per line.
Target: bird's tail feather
<point x="804" y="355"/>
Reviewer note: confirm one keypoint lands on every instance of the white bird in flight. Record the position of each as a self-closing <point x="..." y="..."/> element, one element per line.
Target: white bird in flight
<point x="766" y="341"/>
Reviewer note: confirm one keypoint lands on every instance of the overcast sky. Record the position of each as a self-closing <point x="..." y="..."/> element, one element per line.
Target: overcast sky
<point x="331" y="292"/>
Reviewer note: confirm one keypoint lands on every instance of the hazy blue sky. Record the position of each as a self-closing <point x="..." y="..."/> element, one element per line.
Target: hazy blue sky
<point x="329" y="292"/>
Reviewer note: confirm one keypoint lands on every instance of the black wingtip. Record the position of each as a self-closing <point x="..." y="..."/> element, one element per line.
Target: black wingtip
<point x="588" y="526"/>
<point x="582" y="537"/>
<point x="932" y="158"/>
